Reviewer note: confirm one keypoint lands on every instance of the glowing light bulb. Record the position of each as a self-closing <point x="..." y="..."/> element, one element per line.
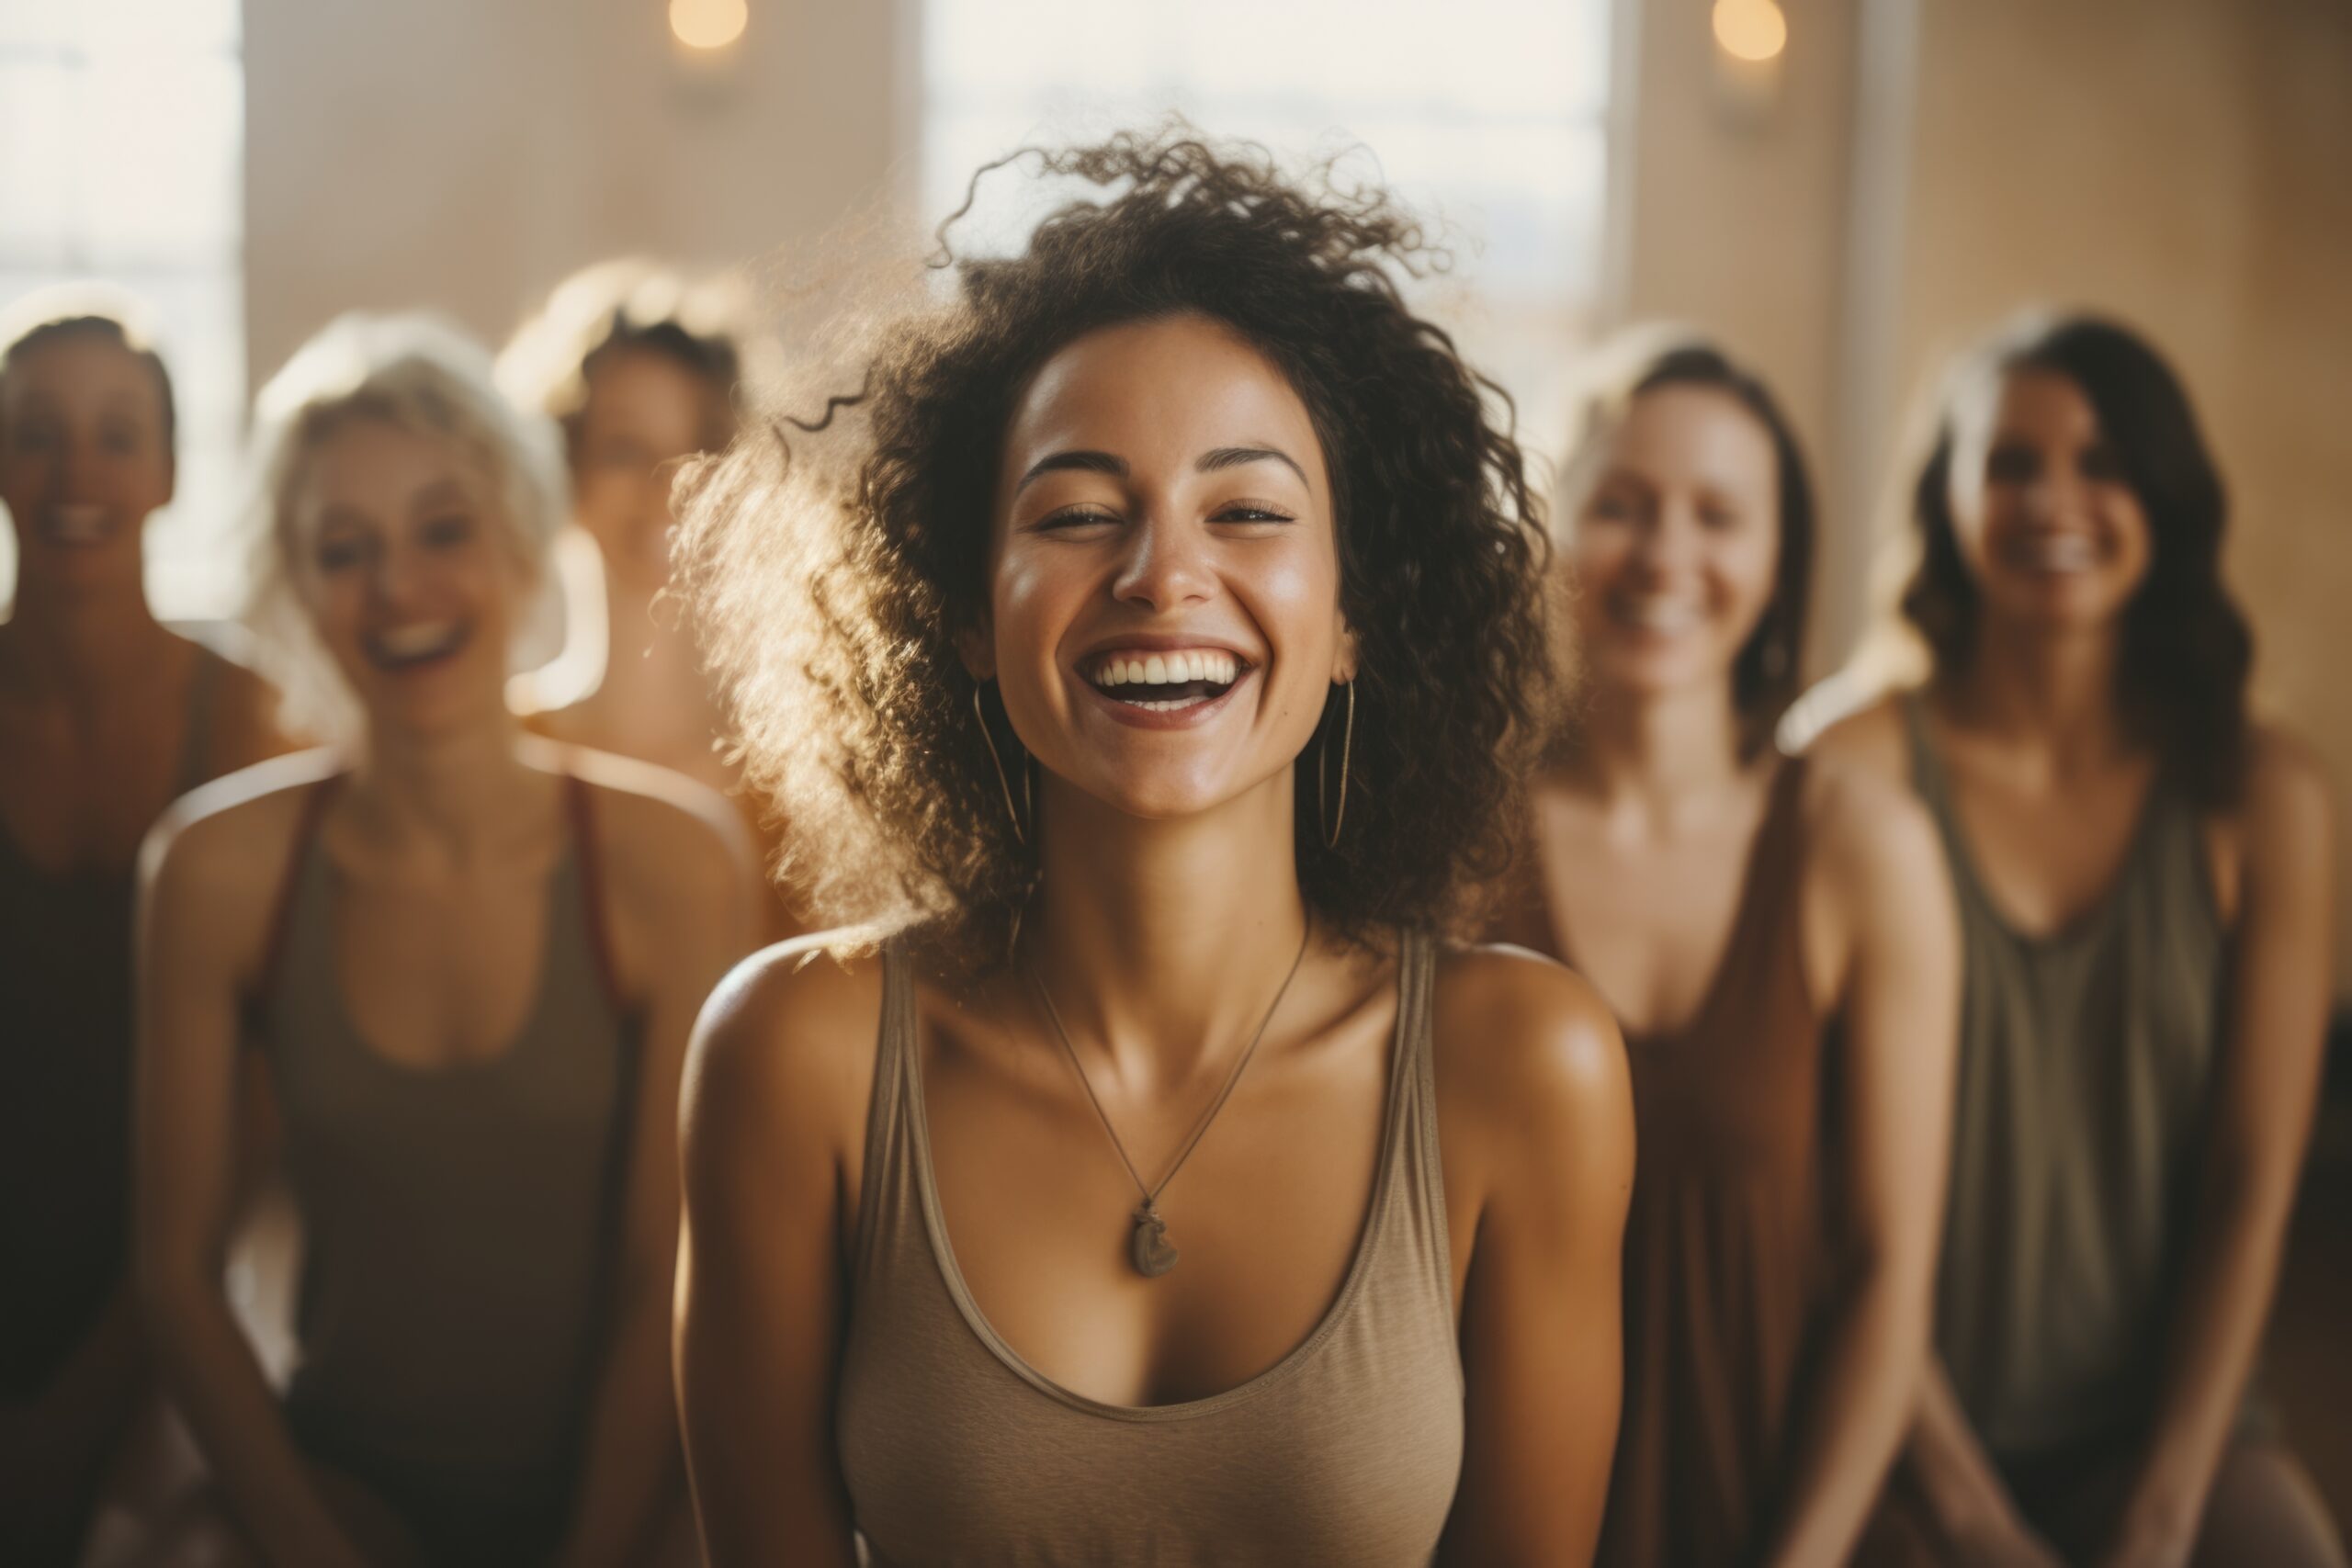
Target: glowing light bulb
<point x="1751" y="30"/>
<point x="710" y="24"/>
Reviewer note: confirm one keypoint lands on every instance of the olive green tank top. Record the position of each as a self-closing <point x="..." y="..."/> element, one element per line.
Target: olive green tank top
<point x="957" y="1450"/>
<point x="459" y="1222"/>
<point x="2084" y="1063"/>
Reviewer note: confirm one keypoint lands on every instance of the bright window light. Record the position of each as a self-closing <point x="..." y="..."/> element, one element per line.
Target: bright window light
<point x="1486" y="115"/>
<point x="121" y="152"/>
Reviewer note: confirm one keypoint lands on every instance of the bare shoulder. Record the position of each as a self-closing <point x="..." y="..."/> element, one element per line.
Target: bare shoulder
<point x="1870" y="737"/>
<point x="213" y="864"/>
<point x="664" y="835"/>
<point x="788" y="1038"/>
<point x="1526" y="1041"/>
<point x="1863" y="829"/>
<point x="2289" y="792"/>
<point x="240" y="826"/>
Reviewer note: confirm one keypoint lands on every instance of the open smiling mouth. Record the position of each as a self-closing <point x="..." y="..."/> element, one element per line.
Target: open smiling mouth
<point x="414" y="647"/>
<point x="1165" y="683"/>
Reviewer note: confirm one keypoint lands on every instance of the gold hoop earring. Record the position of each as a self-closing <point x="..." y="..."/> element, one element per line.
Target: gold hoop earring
<point x="1001" y="783"/>
<point x="1322" y="753"/>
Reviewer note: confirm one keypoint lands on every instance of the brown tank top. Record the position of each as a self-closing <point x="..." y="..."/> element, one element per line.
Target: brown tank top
<point x="65" y="1048"/>
<point x="1725" y="1235"/>
<point x="957" y="1450"/>
<point x="458" y="1222"/>
<point x="2086" y="1057"/>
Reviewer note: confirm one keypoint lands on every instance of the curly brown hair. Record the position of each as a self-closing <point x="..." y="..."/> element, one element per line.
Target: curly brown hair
<point x="2188" y="651"/>
<point x="831" y="587"/>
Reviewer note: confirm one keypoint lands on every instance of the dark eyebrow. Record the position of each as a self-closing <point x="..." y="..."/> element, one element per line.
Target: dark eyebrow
<point x="1234" y="457"/>
<point x="1083" y="462"/>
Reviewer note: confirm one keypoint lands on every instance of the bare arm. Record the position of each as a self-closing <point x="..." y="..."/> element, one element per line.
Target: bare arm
<point x="776" y="1087"/>
<point x="2267" y="1084"/>
<point x="681" y="909"/>
<point x="1883" y="873"/>
<point x="201" y="928"/>
<point x="1537" y="1072"/>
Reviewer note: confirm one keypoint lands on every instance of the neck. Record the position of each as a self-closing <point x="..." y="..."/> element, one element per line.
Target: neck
<point x="1654" y="754"/>
<point x="2051" y="689"/>
<point x="653" y="691"/>
<point x="1163" y="942"/>
<point x="460" y="797"/>
<point x="75" y="645"/>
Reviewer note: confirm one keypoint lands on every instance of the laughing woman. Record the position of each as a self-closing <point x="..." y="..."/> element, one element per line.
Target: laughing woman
<point x="1165" y="1189"/>
<point x="1776" y="937"/>
<point x="106" y="716"/>
<point x="467" y="963"/>
<point x="2143" y="885"/>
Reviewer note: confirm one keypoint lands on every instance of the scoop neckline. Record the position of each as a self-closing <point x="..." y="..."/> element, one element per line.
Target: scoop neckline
<point x="1285" y="1367"/>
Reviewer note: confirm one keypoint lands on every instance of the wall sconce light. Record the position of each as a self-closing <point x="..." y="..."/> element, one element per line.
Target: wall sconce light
<point x="709" y="26"/>
<point x="1751" y="39"/>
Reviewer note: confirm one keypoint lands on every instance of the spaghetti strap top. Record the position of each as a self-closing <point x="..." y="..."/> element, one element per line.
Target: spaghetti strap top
<point x="65" y="1048"/>
<point x="1725" y="1235"/>
<point x="957" y="1450"/>
<point x="2085" y="1059"/>
<point x="458" y="1223"/>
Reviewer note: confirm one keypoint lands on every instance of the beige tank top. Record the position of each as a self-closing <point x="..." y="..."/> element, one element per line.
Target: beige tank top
<point x="957" y="1450"/>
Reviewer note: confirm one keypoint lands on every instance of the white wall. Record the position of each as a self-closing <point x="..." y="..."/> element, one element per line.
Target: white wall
<point x="466" y="156"/>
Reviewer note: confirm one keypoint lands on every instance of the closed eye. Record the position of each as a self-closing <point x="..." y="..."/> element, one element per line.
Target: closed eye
<point x="1074" y="517"/>
<point x="1247" y="513"/>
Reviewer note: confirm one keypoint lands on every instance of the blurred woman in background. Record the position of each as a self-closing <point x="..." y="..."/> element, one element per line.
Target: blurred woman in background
<point x="1775" y="939"/>
<point x="1153" y="655"/>
<point x="2142" y="876"/>
<point x="640" y="370"/>
<point x="106" y="716"/>
<point x="469" y="964"/>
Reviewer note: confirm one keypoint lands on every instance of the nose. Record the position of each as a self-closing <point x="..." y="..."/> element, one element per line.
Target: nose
<point x="398" y="578"/>
<point x="1167" y="565"/>
<point x="1667" y="542"/>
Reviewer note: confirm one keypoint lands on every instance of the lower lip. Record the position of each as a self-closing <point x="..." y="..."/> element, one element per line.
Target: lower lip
<point x="77" y="535"/>
<point x="418" y="666"/>
<point x="1166" y="719"/>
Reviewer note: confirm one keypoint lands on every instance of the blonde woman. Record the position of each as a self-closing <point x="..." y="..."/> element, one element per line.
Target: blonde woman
<point x="467" y="960"/>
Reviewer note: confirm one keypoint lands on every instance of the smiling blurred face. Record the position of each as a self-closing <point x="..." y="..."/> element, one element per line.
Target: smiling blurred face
<point x="1677" y="547"/>
<point x="400" y="561"/>
<point x="83" y="457"/>
<point x="2045" y="522"/>
<point x="645" y="410"/>
<point x="1165" y="581"/>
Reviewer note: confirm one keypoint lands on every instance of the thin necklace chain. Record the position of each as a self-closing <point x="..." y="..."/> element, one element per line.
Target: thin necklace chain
<point x="1200" y="1129"/>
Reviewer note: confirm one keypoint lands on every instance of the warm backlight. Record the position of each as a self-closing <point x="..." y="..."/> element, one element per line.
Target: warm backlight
<point x="715" y="24"/>
<point x="1748" y="30"/>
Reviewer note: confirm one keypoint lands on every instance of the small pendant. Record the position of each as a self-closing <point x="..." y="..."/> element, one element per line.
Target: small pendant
<point x="1150" y="1250"/>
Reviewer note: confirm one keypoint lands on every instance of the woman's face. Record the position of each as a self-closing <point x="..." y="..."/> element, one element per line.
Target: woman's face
<point x="83" y="458"/>
<point x="1677" y="549"/>
<point x="645" y="410"/>
<point x="401" y="559"/>
<point x="2040" y="511"/>
<point x="1164" y="588"/>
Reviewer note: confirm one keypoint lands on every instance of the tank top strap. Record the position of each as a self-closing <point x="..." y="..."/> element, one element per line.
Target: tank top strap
<point x="889" y="1211"/>
<point x="1412" y="1155"/>
<point x="298" y="858"/>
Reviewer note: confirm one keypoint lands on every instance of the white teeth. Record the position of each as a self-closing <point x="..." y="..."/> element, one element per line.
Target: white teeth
<point x="2069" y="553"/>
<point x="418" y="641"/>
<point x="1659" y="615"/>
<point x="1167" y="669"/>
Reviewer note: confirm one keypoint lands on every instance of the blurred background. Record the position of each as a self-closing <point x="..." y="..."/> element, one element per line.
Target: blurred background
<point x="1842" y="190"/>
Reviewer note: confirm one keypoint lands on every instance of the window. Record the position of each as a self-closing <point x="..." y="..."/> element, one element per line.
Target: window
<point x="1484" y="115"/>
<point x="121" y="143"/>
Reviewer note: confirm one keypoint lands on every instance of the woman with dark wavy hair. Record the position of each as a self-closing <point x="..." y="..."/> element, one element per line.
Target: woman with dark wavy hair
<point x="1774" y="935"/>
<point x="1146" y="1177"/>
<point x="2142" y="884"/>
